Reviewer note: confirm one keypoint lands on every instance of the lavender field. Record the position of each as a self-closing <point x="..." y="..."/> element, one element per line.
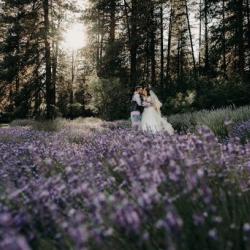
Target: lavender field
<point x="93" y="185"/>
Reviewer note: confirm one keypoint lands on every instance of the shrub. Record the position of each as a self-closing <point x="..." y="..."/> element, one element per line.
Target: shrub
<point x="242" y="131"/>
<point x="6" y="117"/>
<point x="49" y="126"/>
<point x="192" y="93"/>
<point x="214" y="119"/>
<point x="122" y="124"/>
<point x="217" y="93"/>
<point x="109" y="98"/>
<point x="60" y="124"/>
<point x="74" y="110"/>
<point x="23" y="123"/>
<point x="182" y="102"/>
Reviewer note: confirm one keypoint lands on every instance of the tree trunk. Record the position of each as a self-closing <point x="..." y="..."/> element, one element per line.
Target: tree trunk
<point x="240" y="38"/>
<point x="17" y="77"/>
<point x="206" y="38"/>
<point x="72" y="77"/>
<point x="37" y="104"/>
<point x="10" y="97"/>
<point x="112" y="20"/>
<point x="50" y="98"/>
<point x="178" y="57"/>
<point x="248" y="23"/>
<point x="162" y="47"/>
<point x="133" y="45"/>
<point x="181" y="55"/>
<point x="224" y="67"/>
<point x="54" y="69"/>
<point x="98" y="40"/>
<point x="190" y="36"/>
<point x="127" y="20"/>
<point x="169" y="42"/>
<point x="71" y="97"/>
<point x="248" y="30"/>
<point x="55" y="61"/>
<point x="101" y="45"/>
<point x="147" y="59"/>
<point x="152" y="47"/>
<point x="37" y="94"/>
<point x="200" y="30"/>
<point x="17" y="80"/>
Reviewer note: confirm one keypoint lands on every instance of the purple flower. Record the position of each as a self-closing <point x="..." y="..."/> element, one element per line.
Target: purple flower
<point x="90" y="190"/>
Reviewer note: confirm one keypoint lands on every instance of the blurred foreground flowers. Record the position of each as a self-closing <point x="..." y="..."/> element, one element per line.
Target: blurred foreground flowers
<point x="111" y="187"/>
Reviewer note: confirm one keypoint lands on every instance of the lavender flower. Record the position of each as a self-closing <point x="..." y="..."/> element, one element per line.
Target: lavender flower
<point x="118" y="188"/>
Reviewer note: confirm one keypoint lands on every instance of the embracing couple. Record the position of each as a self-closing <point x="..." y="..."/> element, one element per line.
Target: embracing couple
<point x="146" y="112"/>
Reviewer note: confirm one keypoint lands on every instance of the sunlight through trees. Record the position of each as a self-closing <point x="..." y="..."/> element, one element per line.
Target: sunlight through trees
<point x="179" y="47"/>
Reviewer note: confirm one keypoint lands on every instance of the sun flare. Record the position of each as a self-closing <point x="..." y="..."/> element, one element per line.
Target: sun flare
<point x="75" y="37"/>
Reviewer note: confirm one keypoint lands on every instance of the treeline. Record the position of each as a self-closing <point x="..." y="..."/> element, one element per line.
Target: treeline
<point x="195" y="54"/>
<point x="33" y="68"/>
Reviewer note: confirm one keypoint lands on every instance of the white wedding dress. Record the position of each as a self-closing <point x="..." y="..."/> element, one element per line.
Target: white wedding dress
<point x="152" y="121"/>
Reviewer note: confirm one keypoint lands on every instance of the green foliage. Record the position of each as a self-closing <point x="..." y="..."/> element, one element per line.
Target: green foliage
<point x="220" y="121"/>
<point x="75" y="127"/>
<point x="49" y="126"/>
<point x="222" y="92"/>
<point x="20" y="52"/>
<point x="63" y="100"/>
<point x="6" y="117"/>
<point x="191" y="94"/>
<point x="216" y="120"/>
<point x="182" y="102"/>
<point x="113" y="62"/>
<point x="74" y="110"/>
<point x="22" y="123"/>
<point x="110" y="99"/>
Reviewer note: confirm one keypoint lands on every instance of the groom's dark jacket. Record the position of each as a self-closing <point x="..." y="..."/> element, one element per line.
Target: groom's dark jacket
<point x="135" y="106"/>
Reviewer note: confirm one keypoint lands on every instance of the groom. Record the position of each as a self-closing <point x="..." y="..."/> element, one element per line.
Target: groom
<point x="137" y="107"/>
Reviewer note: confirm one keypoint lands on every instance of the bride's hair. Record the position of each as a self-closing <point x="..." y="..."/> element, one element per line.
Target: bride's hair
<point x="137" y="88"/>
<point x="148" y="91"/>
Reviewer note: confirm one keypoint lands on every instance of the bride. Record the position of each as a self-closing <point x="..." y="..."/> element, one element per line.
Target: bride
<point x="152" y="121"/>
